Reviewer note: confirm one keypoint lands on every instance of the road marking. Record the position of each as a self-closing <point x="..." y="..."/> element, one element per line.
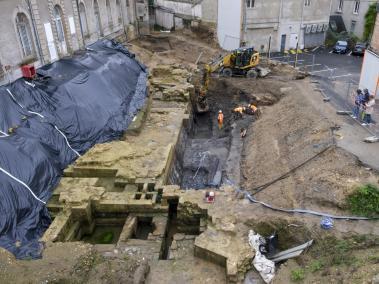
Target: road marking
<point x="317" y="47"/>
<point x="320" y="71"/>
<point x="314" y="65"/>
<point x="331" y="51"/>
<point x="350" y="53"/>
<point x="294" y="61"/>
<point x="339" y="76"/>
<point x="279" y="57"/>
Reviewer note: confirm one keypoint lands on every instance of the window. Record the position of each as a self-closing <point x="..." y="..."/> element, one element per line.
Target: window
<point x="109" y="13"/>
<point x="352" y="26"/>
<point x="58" y="23"/>
<point x="340" y="6"/>
<point x="83" y="18"/>
<point x="356" y="7"/>
<point x="24" y="34"/>
<point x="307" y="2"/>
<point x="119" y="11"/>
<point x="97" y="18"/>
<point x="250" y="3"/>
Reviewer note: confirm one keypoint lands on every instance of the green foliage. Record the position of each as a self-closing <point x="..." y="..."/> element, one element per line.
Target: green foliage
<point x="364" y="201"/>
<point x="297" y="274"/>
<point x="106" y="238"/>
<point x="332" y="37"/>
<point x="373" y="258"/>
<point x="370" y="18"/>
<point x="316" y="265"/>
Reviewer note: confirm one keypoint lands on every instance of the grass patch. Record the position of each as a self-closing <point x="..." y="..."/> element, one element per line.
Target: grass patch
<point x="297" y="275"/>
<point x="316" y="265"/>
<point x="373" y="258"/>
<point x="330" y="251"/>
<point x="364" y="201"/>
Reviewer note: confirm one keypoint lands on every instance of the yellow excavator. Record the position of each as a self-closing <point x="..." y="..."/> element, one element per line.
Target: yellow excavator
<point x="239" y="62"/>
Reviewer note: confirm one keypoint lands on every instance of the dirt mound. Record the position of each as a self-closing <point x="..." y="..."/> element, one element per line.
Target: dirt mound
<point x="177" y="47"/>
<point x="288" y="134"/>
<point x="72" y="263"/>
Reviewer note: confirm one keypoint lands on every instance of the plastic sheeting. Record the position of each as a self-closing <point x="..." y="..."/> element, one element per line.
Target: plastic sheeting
<point x="45" y="124"/>
<point x="264" y="266"/>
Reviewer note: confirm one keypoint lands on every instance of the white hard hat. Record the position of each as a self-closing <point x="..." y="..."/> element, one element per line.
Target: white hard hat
<point x="220" y="111"/>
<point x="211" y="193"/>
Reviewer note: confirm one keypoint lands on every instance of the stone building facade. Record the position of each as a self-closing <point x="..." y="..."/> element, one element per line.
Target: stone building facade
<point x="41" y="32"/>
<point x="353" y="14"/>
<point x="289" y="23"/>
<point x="176" y="14"/>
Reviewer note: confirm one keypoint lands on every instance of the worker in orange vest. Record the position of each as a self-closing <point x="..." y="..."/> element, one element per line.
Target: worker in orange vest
<point x="220" y="119"/>
<point x="253" y="110"/>
<point x="238" y="111"/>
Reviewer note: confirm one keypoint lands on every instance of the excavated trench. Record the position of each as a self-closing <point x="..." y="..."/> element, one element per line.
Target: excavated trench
<point x="207" y="156"/>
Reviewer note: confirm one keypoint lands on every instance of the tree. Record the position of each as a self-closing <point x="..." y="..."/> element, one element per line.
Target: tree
<point x="370" y="18"/>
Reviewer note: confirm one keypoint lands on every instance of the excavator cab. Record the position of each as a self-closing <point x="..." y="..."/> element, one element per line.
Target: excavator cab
<point x="241" y="62"/>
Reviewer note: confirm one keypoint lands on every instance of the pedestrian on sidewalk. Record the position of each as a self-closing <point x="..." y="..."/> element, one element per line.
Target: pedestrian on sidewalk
<point x="366" y="96"/>
<point x="369" y="109"/>
<point x="220" y="119"/>
<point x="358" y="101"/>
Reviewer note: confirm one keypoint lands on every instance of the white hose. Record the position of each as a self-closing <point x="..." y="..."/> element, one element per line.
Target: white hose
<point x="21" y="182"/>
<point x="68" y="144"/>
<point x="10" y="93"/>
<point x="41" y="116"/>
<point x="4" y="134"/>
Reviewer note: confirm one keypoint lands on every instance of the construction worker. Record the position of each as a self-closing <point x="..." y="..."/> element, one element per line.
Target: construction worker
<point x="220" y="119"/>
<point x="238" y="111"/>
<point x="253" y="110"/>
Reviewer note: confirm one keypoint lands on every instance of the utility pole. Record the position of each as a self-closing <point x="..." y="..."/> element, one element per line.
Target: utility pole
<point x="269" y="47"/>
<point x="299" y="37"/>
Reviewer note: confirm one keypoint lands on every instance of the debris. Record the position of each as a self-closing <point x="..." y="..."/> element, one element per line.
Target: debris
<point x="263" y="72"/>
<point x="371" y="139"/>
<point x="326" y="223"/>
<point x="210" y="197"/>
<point x="243" y="132"/>
<point x="344" y="112"/>
<point x="290" y="253"/>
<point x="264" y="266"/>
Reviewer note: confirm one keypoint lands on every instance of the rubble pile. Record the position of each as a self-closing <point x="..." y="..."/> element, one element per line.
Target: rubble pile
<point x="170" y="83"/>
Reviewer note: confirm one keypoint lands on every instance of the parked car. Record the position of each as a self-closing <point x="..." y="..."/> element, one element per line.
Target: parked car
<point x="341" y="47"/>
<point x="359" y="49"/>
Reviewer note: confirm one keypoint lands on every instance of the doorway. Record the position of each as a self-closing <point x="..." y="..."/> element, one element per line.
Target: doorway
<point x="293" y="41"/>
<point x="283" y="43"/>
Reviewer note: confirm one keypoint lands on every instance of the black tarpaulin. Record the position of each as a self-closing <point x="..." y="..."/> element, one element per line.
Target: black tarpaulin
<point x="45" y="124"/>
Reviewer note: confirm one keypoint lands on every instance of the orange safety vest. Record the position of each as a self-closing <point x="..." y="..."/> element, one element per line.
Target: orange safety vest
<point x="220" y="118"/>
<point x="239" y="109"/>
<point x="253" y="108"/>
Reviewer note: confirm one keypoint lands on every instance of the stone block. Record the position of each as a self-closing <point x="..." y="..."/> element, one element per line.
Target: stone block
<point x="128" y="229"/>
<point x="58" y="227"/>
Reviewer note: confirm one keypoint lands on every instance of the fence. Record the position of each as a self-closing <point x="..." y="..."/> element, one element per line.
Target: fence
<point x="350" y="88"/>
<point x="339" y="88"/>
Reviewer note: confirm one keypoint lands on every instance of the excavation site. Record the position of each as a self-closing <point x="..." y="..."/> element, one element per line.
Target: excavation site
<point x="234" y="192"/>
